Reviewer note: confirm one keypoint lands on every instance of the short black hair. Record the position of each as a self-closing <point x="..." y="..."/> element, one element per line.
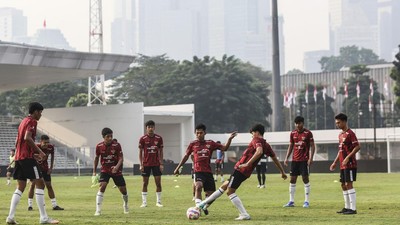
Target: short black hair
<point x="35" y="106"/>
<point x="201" y="127"/>
<point x="299" y="119"/>
<point x="341" y="116"/>
<point x="258" y="128"/>
<point x="44" y="137"/>
<point x="150" y="123"/>
<point x="106" y="131"/>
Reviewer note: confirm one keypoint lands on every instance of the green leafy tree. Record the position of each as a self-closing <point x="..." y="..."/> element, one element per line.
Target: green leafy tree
<point x="294" y="71"/>
<point x="395" y="75"/>
<point x="349" y="56"/>
<point x="80" y="99"/>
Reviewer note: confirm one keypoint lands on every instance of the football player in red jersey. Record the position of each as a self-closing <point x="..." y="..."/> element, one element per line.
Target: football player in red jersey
<point x="109" y="152"/>
<point x="48" y="149"/>
<point x="151" y="159"/>
<point x="303" y="148"/>
<point x="26" y="166"/>
<point x="243" y="170"/>
<point x="348" y="148"/>
<point x="202" y="150"/>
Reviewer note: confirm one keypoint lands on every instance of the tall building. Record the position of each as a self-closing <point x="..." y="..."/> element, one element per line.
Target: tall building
<point x="13" y="24"/>
<point x="311" y="60"/>
<point x="123" y="28"/>
<point x="353" y="22"/>
<point x="52" y="38"/>
<point x="389" y="30"/>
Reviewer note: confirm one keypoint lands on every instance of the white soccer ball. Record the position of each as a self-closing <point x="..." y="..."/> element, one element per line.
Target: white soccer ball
<point x="193" y="213"/>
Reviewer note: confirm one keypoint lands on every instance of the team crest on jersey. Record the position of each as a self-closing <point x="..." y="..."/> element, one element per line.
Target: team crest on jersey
<point x="112" y="151"/>
<point x="156" y="142"/>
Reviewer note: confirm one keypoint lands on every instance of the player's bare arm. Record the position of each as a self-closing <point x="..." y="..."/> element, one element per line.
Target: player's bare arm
<point x="141" y="168"/>
<point x="31" y="143"/>
<point x="256" y="156"/>
<point x="312" y="147"/>
<point x="184" y="159"/>
<point x="95" y="163"/>
<point x="333" y="165"/>
<point x="352" y="153"/>
<point x="119" y="164"/>
<point x="288" y="153"/>
<point x="278" y="164"/>
<point x="228" y="143"/>
<point x="51" y="163"/>
<point x="161" y="157"/>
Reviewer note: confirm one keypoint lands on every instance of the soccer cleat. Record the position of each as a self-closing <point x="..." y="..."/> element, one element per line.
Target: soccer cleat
<point x="258" y="186"/>
<point x="57" y="208"/>
<point x="203" y="207"/>
<point x="349" y="212"/>
<point x="143" y="205"/>
<point x="115" y="186"/>
<point x="158" y="204"/>
<point x="49" y="221"/>
<point x="30" y="208"/>
<point x="11" y="221"/>
<point x="306" y="205"/>
<point x="342" y="211"/>
<point x="97" y="213"/>
<point x="262" y="186"/>
<point x="126" y="209"/>
<point x="289" y="204"/>
<point x="243" y="217"/>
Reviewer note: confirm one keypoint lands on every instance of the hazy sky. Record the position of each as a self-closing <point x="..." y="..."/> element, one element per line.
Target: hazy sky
<point x="305" y="23"/>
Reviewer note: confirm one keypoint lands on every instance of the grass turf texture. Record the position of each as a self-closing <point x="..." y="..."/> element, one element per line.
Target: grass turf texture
<point x="377" y="202"/>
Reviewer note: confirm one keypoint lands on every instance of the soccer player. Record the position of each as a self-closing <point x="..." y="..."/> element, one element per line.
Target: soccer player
<point x="26" y="166"/>
<point x="348" y="147"/>
<point x="243" y="169"/>
<point x="111" y="158"/>
<point x="151" y="161"/>
<point x="261" y="169"/>
<point x="10" y="168"/>
<point x="48" y="149"/>
<point x="202" y="151"/>
<point x="303" y="148"/>
<point x="219" y="164"/>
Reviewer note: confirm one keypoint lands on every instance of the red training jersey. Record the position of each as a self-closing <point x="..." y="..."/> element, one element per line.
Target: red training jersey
<point x="202" y="152"/>
<point x="23" y="150"/>
<point x="151" y="147"/>
<point x="109" y="156"/>
<point x="250" y="151"/>
<point x="347" y="142"/>
<point x="44" y="165"/>
<point x="301" y="142"/>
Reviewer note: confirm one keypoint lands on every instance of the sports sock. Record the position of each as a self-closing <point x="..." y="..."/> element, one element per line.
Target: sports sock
<point x="40" y="203"/>
<point x="99" y="200"/>
<point x="239" y="205"/>
<point x="214" y="196"/>
<point x="125" y="198"/>
<point x="144" y="197"/>
<point x="158" y="197"/>
<point x="53" y="202"/>
<point x="307" y="189"/>
<point x="14" y="202"/>
<point x="346" y="200"/>
<point x="292" y="190"/>
<point x="30" y="202"/>
<point x="352" y="197"/>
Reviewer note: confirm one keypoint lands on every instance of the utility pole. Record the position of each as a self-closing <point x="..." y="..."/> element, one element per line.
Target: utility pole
<point x="96" y="96"/>
<point x="276" y="75"/>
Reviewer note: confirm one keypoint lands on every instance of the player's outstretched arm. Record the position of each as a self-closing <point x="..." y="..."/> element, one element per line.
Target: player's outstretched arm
<point x="184" y="159"/>
<point x="279" y="165"/>
<point x="228" y="143"/>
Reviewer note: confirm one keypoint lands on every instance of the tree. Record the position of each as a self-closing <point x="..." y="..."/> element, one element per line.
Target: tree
<point x="294" y="71"/>
<point x="80" y="99"/>
<point x="395" y="75"/>
<point x="349" y="56"/>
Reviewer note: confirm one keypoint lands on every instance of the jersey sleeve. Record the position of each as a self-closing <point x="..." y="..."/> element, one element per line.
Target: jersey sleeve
<point x="97" y="150"/>
<point x="311" y="137"/>
<point x="141" y="143"/>
<point x="268" y="150"/>
<point x="189" y="149"/>
<point x="161" y="143"/>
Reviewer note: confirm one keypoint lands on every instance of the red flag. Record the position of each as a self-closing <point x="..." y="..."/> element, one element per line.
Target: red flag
<point x="306" y="94"/>
<point x="315" y="93"/>
<point x="370" y="104"/>
<point x="44" y="23"/>
<point x="324" y="93"/>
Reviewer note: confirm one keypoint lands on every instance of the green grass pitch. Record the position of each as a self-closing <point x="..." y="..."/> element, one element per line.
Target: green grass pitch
<point x="378" y="202"/>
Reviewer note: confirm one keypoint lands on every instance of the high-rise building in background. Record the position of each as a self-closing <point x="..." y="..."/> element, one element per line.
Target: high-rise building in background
<point x="311" y="60"/>
<point x="52" y="38"/>
<point x="353" y="22"/>
<point x="186" y="28"/>
<point x="13" y="24"/>
<point x="389" y="29"/>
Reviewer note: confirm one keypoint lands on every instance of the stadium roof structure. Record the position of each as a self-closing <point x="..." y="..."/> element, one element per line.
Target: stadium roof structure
<point x="24" y="65"/>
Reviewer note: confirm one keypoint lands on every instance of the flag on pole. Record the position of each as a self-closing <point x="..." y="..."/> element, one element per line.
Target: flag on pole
<point x="315" y="93"/>
<point x="381" y="105"/>
<point x="306" y="94"/>
<point x="370" y="104"/>
<point x="334" y="92"/>
<point x="44" y="23"/>
<point x="324" y="93"/>
<point x="294" y="97"/>
<point x="371" y="87"/>
<point x="392" y="105"/>
<point x="386" y="89"/>
<point x="346" y="91"/>
<point x="358" y="90"/>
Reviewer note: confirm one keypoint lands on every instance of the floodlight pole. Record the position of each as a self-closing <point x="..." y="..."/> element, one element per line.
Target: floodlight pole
<point x="276" y="76"/>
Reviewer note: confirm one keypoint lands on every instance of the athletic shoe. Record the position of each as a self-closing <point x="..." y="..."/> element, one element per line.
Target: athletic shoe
<point x="342" y="211"/>
<point x="306" y="205"/>
<point x="243" y="217"/>
<point x="30" y="208"/>
<point x="11" y="221"/>
<point x="49" y="221"/>
<point x="57" y="208"/>
<point x="289" y="204"/>
<point x="262" y="186"/>
<point x="203" y="207"/>
<point x="97" y="213"/>
<point x="258" y="186"/>
<point x="143" y="205"/>
<point x="126" y="209"/>
<point x="158" y="204"/>
<point x="115" y="186"/>
<point x="349" y="212"/>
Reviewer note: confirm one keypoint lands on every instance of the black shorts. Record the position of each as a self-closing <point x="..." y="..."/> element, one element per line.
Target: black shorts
<point x="118" y="180"/>
<point x="348" y="175"/>
<point x="27" y="169"/>
<point x="236" y="179"/>
<point x="151" y="169"/>
<point x="10" y="170"/>
<point x="46" y="177"/>
<point x="261" y="168"/>
<point x="299" y="168"/>
<point x="207" y="179"/>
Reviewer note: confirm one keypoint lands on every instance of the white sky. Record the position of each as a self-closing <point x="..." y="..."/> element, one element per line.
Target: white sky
<point x="305" y="23"/>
